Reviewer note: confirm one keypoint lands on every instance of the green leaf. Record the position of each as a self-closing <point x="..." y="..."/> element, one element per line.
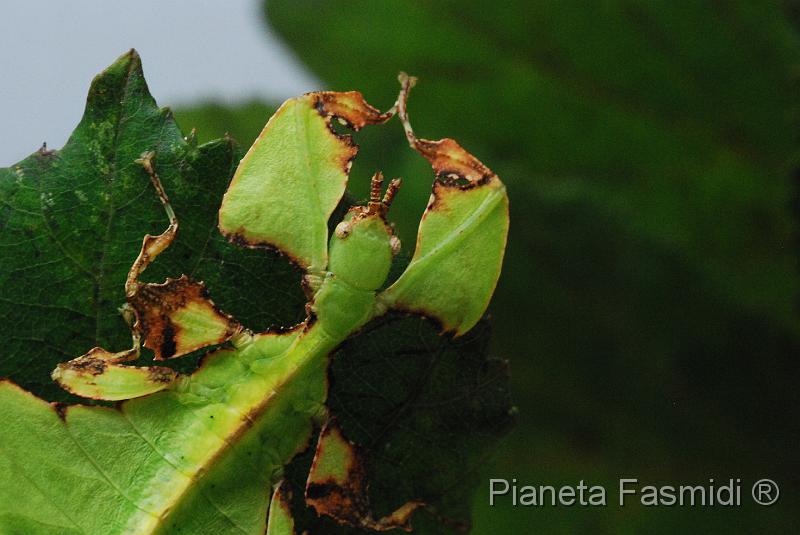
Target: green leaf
<point x="72" y="221"/>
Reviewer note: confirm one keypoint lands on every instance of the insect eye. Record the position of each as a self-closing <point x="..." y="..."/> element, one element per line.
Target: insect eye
<point x="343" y="229"/>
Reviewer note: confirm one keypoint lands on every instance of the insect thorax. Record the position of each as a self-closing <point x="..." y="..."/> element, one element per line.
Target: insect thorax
<point x="360" y="258"/>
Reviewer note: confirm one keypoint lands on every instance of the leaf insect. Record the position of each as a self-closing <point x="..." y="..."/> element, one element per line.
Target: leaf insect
<point x="199" y="453"/>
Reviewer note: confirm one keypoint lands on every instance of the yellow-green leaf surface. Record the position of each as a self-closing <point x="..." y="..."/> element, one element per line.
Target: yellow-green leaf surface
<point x="458" y="257"/>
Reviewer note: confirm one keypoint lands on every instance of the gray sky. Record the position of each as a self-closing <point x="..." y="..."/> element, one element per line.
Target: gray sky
<point x="191" y="50"/>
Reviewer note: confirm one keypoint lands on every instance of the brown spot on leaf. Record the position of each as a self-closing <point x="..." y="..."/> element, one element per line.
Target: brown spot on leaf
<point x="87" y="364"/>
<point x="61" y="410"/>
<point x="337" y="486"/>
<point x="453" y="165"/>
<point x="44" y="152"/>
<point x="350" y="107"/>
<point x="158" y="308"/>
<point x="168" y="345"/>
<point x="160" y="374"/>
<point x="353" y="111"/>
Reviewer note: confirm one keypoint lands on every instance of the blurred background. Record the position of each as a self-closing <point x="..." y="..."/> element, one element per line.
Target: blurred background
<point x="648" y="304"/>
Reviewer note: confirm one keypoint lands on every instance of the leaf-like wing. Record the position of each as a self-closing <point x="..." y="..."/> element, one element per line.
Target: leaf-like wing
<point x="294" y="175"/>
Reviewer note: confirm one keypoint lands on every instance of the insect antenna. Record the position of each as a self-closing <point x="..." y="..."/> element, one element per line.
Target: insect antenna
<point x="376" y="188"/>
<point x="391" y="191"/>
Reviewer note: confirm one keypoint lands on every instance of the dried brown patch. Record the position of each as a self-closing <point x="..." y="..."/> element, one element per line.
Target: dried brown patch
<point x="160" y="374"/>
<point x="346" y="500"/>
<point x="350" y="107"/>
<point x="44" y="152"/>
<point x="353" y="111"/>
<point x="94" y="362"/>
<point x="155" y="306"/>
<point x="453" y="165"/>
